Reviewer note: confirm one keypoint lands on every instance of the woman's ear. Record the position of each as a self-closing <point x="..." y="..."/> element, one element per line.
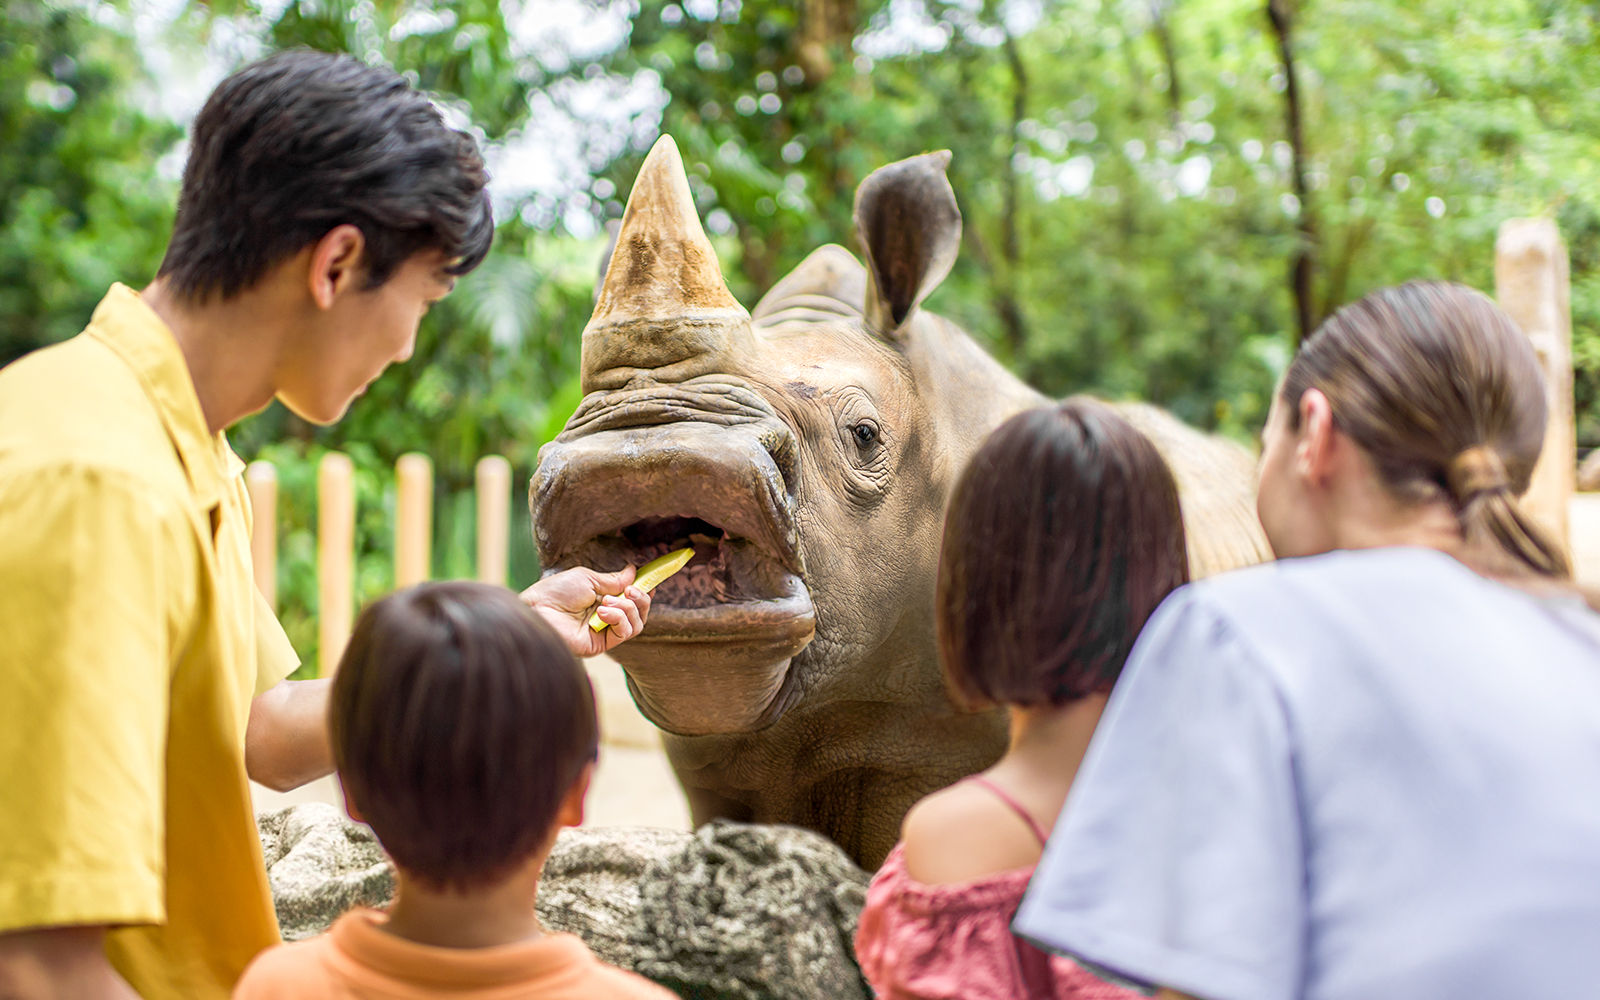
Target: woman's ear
<point x="1314" y="451"/>
<point x="571" y="811"/>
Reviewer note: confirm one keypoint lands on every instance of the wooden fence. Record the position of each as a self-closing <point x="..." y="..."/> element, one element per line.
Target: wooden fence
<point x="336" y="529"/>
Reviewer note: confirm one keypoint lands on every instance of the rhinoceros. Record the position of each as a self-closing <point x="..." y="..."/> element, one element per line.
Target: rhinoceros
<point x="807" y="450"/>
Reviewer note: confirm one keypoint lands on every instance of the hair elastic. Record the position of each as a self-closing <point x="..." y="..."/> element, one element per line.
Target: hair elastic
<point x="1476" y="470"/>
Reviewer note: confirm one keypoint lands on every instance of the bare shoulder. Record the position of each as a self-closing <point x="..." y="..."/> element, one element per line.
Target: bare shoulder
<point x="962" y="833"/>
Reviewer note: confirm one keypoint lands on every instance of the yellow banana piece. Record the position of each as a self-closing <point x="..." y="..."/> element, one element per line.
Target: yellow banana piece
<point x="650" y="576"/>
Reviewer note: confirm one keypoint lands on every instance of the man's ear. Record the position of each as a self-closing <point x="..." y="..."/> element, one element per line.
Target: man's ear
<point x="910" y="230"/>
<point x="571" y="811"/>
<point x="337" y="264"/>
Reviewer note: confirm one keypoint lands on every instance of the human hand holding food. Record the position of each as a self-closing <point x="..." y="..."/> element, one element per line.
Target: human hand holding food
<point x="566" y="599"/>
<point x="651" y="575"/>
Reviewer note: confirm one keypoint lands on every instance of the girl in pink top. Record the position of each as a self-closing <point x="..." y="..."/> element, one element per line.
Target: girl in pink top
<point x="1062" y="537"/>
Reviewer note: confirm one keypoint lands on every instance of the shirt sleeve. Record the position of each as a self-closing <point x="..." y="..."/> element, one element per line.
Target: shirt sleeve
<point x="275" y="655"/>
<point x="92" y="582"/>
<point x="1178" y="859"/>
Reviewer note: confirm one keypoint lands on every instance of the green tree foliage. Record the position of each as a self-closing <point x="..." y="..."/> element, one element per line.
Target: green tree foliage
<point x="1148" y="213"/>
<point x="81" y="204"/>
<point x="1125" y="169"/>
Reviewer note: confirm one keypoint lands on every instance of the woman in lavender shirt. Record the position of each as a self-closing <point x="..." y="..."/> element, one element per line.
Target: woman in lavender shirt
<point x="1371" y="769"/>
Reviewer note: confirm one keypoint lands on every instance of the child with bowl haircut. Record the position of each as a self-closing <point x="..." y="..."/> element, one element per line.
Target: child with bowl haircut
<point x="465" y="735"/>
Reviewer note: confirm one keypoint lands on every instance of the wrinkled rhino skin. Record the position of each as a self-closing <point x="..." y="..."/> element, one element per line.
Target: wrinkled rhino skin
<point x="807" y="450"/>
<point x="731" y="911"/>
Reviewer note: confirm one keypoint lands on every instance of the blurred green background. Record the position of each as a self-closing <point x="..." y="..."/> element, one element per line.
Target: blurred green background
<point x="1160" y="195"/>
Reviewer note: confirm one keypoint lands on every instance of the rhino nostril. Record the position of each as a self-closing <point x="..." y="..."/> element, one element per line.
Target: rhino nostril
<point x="779" y="441"/>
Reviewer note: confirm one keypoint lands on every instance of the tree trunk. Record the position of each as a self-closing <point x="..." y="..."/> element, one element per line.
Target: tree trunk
<point x="824" y="25"/>
<point x="1302" y="268"/>
<point x="1007" y="309"/>
<point x="1160" y="24"/>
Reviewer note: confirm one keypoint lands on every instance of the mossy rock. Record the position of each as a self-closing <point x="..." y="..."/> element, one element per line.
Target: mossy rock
<point x="746" y="912"/>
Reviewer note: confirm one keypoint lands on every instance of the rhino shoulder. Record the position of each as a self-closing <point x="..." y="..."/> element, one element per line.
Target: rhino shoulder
<point x="1216" y="489"/>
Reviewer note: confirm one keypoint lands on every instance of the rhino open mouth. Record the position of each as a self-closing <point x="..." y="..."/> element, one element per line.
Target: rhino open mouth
<point x="716" y="652"/>
<point x="731" y="587"/>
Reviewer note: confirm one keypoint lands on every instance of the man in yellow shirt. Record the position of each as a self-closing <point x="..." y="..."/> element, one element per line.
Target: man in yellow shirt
<point x="324" y="206"/>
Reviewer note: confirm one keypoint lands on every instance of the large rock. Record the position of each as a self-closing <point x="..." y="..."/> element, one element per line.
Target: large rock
<point x="319" y="865"/>
<point x="732" y="910"/>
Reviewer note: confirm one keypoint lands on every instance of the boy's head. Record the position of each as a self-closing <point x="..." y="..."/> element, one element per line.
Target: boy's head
<point x="460" y="724"/>
<point x="306" y="153"/>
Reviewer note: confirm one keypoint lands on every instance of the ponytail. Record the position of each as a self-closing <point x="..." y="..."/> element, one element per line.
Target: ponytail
<point x="1492" y="520"/>
<point x="1443" y="392"/>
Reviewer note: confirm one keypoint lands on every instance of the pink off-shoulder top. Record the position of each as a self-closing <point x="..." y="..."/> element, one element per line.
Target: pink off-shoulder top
<point x="930" y="942"/>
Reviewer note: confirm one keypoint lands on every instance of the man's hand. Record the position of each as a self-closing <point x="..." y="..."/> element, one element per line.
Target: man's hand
<point x="58" y="963"/>
<point x="567" y="599"/>
<point x="286" y="742"/>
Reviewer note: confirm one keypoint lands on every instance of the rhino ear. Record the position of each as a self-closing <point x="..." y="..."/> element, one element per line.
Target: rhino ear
<point x="910" y="230"/>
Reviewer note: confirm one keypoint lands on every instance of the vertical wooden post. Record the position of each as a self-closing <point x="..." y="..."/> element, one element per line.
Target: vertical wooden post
<point x="413" y="519"/>
<point x="261" y="480"/>
<point x="1531" y="282"/>
<point x="494" y="518"/>
<point x="336" y="530"/>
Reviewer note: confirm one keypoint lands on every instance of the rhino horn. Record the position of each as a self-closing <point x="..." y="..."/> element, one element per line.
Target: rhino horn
<point x="664" y="312"/>
<point x="910" y="230"/>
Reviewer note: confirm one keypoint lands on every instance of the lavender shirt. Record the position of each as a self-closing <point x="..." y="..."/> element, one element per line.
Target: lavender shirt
<point x="1358" y="776"/>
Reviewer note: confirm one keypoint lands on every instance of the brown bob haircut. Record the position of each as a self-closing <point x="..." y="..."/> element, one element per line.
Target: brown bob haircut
<point x="1063" y="535"/>
<point x="459" y="722"/>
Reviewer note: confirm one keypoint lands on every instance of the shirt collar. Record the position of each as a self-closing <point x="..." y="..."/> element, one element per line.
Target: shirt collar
<point x="360" y="936"/>
<point x="123" y="322"/>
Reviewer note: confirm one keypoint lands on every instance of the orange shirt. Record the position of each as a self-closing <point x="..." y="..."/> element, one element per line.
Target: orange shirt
<point x="358" y="960"/>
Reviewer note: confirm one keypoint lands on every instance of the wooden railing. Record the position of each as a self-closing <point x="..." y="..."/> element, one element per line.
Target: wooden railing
<point x="336" y="528"/>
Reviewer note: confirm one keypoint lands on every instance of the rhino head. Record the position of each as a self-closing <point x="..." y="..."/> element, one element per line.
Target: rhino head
<point x="807" y="451"/>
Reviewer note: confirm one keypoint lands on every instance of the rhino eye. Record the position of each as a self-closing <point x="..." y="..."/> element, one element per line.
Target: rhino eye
<point x="866" y="434"/>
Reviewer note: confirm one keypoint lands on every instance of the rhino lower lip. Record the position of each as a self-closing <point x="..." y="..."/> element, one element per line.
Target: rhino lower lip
<point x="716" y="652"/>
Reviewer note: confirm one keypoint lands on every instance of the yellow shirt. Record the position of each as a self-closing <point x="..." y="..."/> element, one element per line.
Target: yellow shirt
<point x="132" y="639"/>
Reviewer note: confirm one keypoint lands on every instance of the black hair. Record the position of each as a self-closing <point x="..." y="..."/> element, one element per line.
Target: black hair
<point x="459" y="721"/>
<point x="298" y="143"/>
